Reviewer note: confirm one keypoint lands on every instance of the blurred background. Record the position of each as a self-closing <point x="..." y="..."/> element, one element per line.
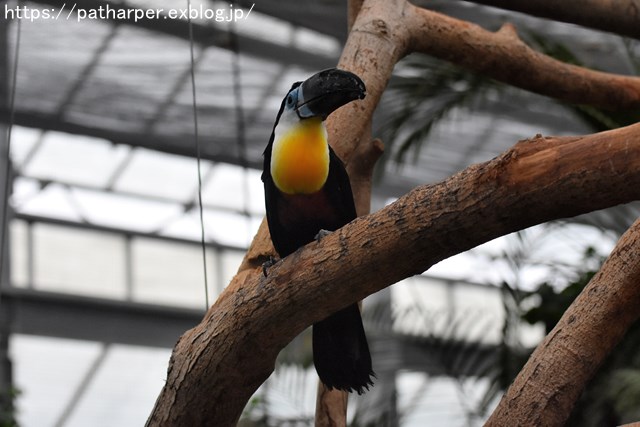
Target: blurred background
<point x="102" y="267"/>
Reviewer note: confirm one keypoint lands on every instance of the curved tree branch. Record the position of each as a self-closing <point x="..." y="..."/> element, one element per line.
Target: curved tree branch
<point x="503" y="56"/>
<point x="616" y="16"/>
<point x="548" y="386"/>
<point x="214" y="369"/>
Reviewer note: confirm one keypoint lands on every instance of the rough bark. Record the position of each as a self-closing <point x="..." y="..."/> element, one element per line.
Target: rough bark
<point x="616" y="16"/>
<point x="216" y="366"/>
<point x="331" y="407"/>
<point x="548" y="386"/>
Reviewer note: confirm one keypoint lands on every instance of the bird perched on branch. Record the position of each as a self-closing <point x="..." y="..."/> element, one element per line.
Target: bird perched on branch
<point x="307" y="193"/>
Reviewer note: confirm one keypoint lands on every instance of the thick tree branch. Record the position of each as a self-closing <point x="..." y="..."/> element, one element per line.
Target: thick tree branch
<point x="548" y="386"/>
<point x="616" y="16"/>
<point x="504" y="57"/>
<point x="377" y="41"/>
<point x="216" y="366"/>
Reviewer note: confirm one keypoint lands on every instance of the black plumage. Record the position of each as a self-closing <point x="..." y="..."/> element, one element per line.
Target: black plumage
<point x="340" y="348"/>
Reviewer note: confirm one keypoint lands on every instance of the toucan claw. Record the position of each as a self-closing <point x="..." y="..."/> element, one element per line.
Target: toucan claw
<point x="268" y="264"/>
<point x="321" y="234"/>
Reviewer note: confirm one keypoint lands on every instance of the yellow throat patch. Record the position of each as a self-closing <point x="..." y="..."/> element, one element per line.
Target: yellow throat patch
<point x="300" y="157"/>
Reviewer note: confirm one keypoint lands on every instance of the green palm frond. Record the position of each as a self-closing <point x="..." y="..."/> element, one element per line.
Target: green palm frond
<point x="632" y="47"/>
<point x="426" y="90"/>
<point x="455" y="346"/>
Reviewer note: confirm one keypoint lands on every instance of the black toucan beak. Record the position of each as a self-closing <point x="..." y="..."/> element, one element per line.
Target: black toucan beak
<point x="326" y="91"/>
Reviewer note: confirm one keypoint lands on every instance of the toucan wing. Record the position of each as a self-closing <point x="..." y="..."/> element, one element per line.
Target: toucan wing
<point x="338" y="187"/>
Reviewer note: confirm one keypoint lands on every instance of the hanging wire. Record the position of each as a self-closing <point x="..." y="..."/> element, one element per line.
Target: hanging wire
<point x="7" y="177"/>
<point x="240" y="122"/>
<point x="198" y="155"/>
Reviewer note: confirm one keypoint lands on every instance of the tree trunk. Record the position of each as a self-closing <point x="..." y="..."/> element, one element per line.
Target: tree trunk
<point x="548" y="386"/>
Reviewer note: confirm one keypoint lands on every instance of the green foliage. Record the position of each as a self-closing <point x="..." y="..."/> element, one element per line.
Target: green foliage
<point x="425" y="93"/>
<point x="253" y="415"/>
<point x="7" y="408"/>
<point x="428" y="90"/>
<point x="553" y="304"/>
<point x="624" y="391"/>
<point x="288" y="387"/>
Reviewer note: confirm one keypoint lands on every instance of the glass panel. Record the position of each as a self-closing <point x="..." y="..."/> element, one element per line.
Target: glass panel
<point x="79" y="261"/>
<point x="169" y="273"/>
<point x="22" y="142"/>
<point x="19" y="254"/>
<point x="236" y="188"/>
<point x="75" y="159"/>
<point x="162" y="175"/>
<point x="126" y="212"/>
<point x="230" y="261"/>
<point x="121" y="393"/>
<point x="124" y="389"/>
<point x="53" y="201"/>
<point x="47" y="383"/>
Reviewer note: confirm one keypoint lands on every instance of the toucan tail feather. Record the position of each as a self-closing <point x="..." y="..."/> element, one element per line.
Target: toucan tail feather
<point x="341" y="352"/>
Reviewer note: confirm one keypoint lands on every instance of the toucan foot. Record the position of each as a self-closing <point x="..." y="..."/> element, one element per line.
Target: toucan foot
<point x="268" y="264"/>
<point x="321" y="234"/>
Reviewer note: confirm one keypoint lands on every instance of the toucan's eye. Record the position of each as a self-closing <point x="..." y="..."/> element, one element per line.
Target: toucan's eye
<point x="290" y="100"/>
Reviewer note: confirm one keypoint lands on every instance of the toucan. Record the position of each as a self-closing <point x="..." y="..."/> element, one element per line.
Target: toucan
<point x="307" y="193"/>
